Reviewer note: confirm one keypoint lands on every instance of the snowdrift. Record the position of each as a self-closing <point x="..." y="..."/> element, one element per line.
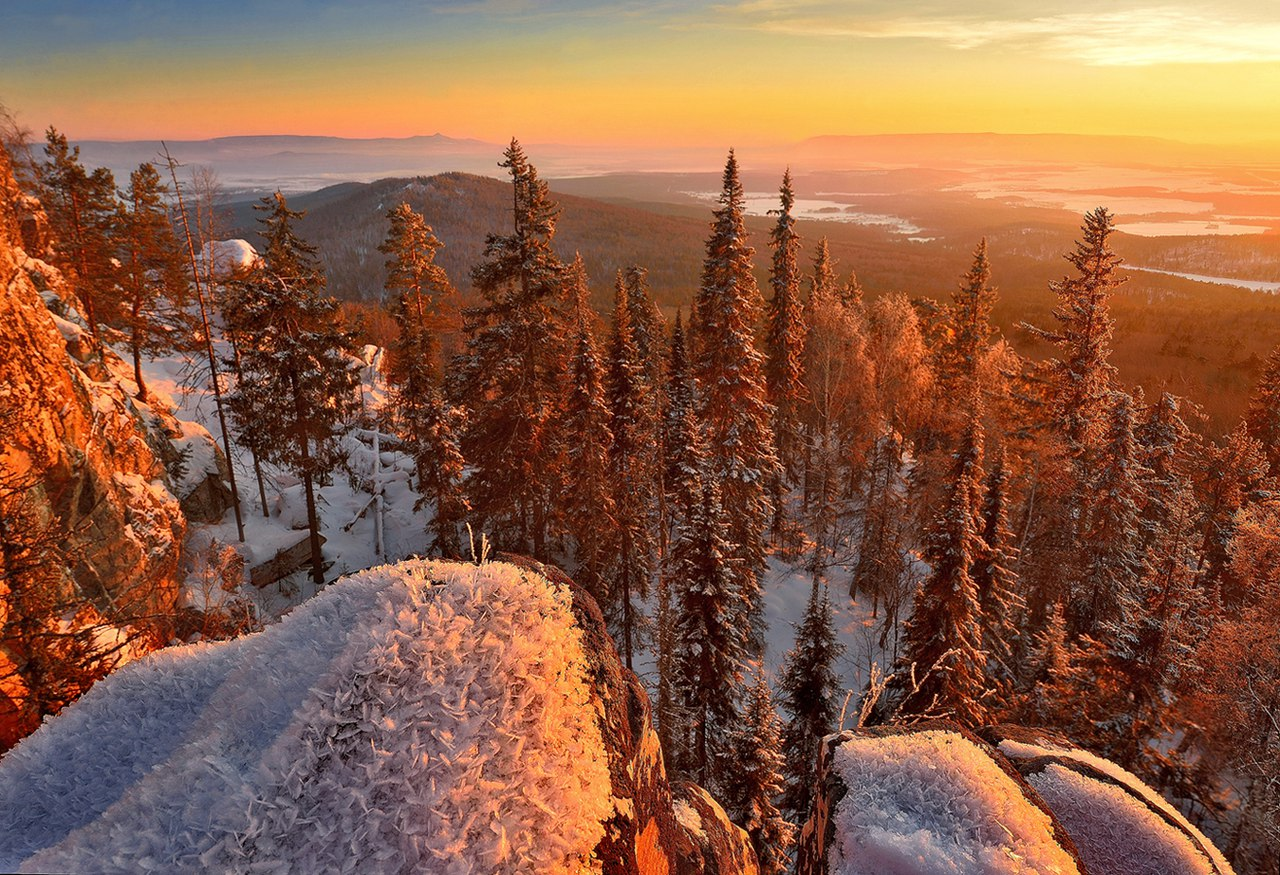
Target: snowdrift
<point x="423" y="717"/>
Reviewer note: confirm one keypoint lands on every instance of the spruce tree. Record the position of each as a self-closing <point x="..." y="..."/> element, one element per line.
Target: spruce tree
<point x="809" y="694"/>
<point x="757" y="780"/>
<point x="944" y="634"/>
<point x="784" y="338"/>
<point x="1103" y="603"/>
<point x="1263" y="417"/>
<point x="732" y="405"/>
<point x="708" y="632"/>
<point x="632" y="473"/>
<point x="685" y="455"/>
<point x="298" y="382"/>
<point x="82" y="208"/>
<point x="1228" y="477"/>
<point x="512" y="374"/>
<point x="590" y="508"/>
<point x="1082" y="378"/>
<point x="152" y="277"/>
<point x="427" y="423"/>
<point x="997" y="583"/>
<point x="969" y="326"/>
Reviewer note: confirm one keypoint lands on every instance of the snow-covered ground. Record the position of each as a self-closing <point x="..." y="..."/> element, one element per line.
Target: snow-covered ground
<point x="401" y="717"/>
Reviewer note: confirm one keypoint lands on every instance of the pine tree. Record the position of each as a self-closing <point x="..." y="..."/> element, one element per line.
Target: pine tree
<point x="784" y="339"/>
<point x="757" y="781"/>
<point x="590" y="507"/>
<point x="709" y="646"/>
<point x="685" y="455"/>
<point x="511" y="377"/>
<point x="152" y="276"/>
<point x="1229" y="476"/>
<point x="82" y="209"/>
<point x="633" y="472"/>
<point x="1263" y="417"/>
<point x="732" y="404"/>
<point x="809" y="695"/>
<point x="297" y="386"/>
<point x="943" y="636"/>
<point x="426" y="422"/>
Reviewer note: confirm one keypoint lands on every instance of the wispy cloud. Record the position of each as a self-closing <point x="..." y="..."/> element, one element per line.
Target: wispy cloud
<point x="1136" y="36"/>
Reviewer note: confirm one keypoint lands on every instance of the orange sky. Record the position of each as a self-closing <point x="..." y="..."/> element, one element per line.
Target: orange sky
<point x="761" y="71"/>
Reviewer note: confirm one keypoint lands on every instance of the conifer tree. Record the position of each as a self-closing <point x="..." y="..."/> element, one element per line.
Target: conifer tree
<point x="297" y="386"/>
<point x="732" y="406"/>
<point x="151" y="272"/>
<point x="511" y="377"/>
<point x="998" y="597"/>
<point x="590" y="507"/>
<point x="1082" y="379"/>
<point x="427" y="423"/>
<point x="1262" y="420"/>
<point x="809" y="691"/>
<point x="969" y="327"/>
<point x="784" y="339"/>
<point x="685" y="455"/>
<point x="632" y="472"/>
<point x="1103" y="602"/>
<point x="757" y="781"/>
<point x="709" y="645"/>
<point x="81" y="208"/>
<point x="1229" y="476"/>
<point x="943" y="635"/>
<point x="851" y="292"/>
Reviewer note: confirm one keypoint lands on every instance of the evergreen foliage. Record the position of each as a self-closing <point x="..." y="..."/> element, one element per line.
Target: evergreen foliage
<point x="298" y="379"/>
<point x="512" y="374"/>
<point x="809" y="691"/>
<point x="756" y="766"/>
<point x="1263" y="417"/>
<point x="784" y="337"/>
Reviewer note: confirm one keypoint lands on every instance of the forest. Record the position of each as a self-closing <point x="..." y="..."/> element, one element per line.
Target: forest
<point x="1048" y="544"/>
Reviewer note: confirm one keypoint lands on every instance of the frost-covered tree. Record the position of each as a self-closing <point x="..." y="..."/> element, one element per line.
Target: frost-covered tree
<point x="809" y="694"/>
<point x="708" y="634"/>
<point x="1263" y="417"/>
<point x="756" y="769"/>
<point x="633" y="473"/>
<point x="588" y="499"/>
<point x="1082" y="377"/>
<point x="81" y="207"/>
<point x="732" y="406"/>
<point x="153" y="283"/>
<point x="428" y="424"/>
<point x="943" y="637"/>
<point x="685" y="455"/>
<point x="1228" y="476"/>
<point x="968" y="324"/>
<point x="297" y="385"/>
<point x="997" y="583"/>
<point x="784" y="336"/>
<point x="511" y="376"/>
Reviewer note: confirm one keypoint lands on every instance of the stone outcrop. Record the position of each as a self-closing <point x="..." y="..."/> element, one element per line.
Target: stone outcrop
<point x="1024" y="795"/>
<point x="113" y="471"/>
<point x="645" y="835"/>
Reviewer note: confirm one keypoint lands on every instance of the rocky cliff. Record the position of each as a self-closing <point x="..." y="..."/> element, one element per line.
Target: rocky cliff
<point x="118" y="476"/>
<point x="422" y="717"/>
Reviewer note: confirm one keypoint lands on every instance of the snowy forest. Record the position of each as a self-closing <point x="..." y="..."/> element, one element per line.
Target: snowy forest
<point x="1027" y="542"/>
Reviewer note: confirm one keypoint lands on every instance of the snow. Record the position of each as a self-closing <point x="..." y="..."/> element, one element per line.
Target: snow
<point x="1113" y="831"/>
<point x="1251" y="285"/>
<point x="228" y="257"/>
<point x="201" y="456"/>
<point x="1017" y="750"/>
<point x="403" y="716"/>
<point x="934" y="803"/>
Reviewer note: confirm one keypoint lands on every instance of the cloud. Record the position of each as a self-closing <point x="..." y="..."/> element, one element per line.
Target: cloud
<point x="1139" y="36"/>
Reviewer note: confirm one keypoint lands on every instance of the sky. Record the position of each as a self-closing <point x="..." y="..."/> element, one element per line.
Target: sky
<point x="670" y="73"/>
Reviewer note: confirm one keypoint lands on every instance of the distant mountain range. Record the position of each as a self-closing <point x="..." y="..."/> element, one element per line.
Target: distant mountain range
<point x="255" y="164"/>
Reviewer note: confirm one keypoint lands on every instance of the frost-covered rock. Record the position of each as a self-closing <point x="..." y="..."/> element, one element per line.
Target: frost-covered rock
<point x="228" y="259"/>
<point x="1120" y="824"/>
<point x="935" y="798"/>
<point x="422" y="717"/>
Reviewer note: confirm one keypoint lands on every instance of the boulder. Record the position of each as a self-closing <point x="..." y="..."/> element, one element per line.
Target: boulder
<point x="428" y="716"/>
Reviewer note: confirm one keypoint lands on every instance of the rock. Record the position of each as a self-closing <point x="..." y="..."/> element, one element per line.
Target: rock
<point x="644" y="835"/>
<point x="935" y="796"/>
<point x="381" y="726"/>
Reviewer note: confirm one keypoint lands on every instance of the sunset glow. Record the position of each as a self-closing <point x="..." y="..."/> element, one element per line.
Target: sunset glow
<point x="762" y="71"/>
